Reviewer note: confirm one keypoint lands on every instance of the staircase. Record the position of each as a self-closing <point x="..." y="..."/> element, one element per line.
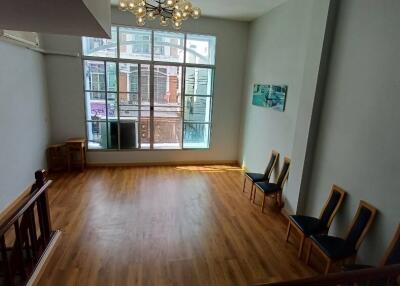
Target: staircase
<point x="26" y="236"/>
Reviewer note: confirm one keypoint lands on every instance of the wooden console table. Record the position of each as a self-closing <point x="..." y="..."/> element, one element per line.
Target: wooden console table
<point x="77" y="148"/>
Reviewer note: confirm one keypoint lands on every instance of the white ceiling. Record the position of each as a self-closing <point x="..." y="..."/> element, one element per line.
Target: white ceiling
<point x="244" y="10"/>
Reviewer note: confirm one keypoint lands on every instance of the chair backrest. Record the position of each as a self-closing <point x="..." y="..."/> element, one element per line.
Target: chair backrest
<point x="271" y="164"/>
<point x="332" y="205"/>
<point x="283" y="175"/>
<point x="362" y="222"/>
<point x="392" y="255"/>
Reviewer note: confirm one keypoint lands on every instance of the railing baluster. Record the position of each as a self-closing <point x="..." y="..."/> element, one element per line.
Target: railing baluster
<point x="6" y="263"/>
<point x="32" y="233"/>
<point x="41" y="223"/>
<point x="19" y="250"/>
<point x="46" y="214"/>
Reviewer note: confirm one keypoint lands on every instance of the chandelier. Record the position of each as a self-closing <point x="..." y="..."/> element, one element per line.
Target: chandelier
<point x="169" y="11"/>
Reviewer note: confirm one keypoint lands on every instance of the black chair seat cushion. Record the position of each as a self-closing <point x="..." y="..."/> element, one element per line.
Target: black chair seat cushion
<point x="268" y="188"/>
<point x="256" y="177"/>
<point x="308" y="225"/>
<point x="333" y="247"/>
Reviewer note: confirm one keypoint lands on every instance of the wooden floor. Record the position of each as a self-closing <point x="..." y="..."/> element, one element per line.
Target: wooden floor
<point x="165" y="226"/>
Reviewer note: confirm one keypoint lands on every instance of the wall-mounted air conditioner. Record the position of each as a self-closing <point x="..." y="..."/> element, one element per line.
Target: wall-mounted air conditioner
<point x="29" y="39"/>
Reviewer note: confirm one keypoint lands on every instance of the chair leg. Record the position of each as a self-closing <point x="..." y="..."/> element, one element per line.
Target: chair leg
<point x="251" y="191"/>
<point x="263" y="204"/>
<point x="82" y="160"/>
<point x="301" y="245"/>
<point x="244" y="184"/>
<point x="309" y="254"/>
<point x="328" y="267"/>
<point x="288" y="231"/>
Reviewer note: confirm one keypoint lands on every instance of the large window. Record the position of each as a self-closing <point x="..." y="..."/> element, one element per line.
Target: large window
<point x="148" y="89"/>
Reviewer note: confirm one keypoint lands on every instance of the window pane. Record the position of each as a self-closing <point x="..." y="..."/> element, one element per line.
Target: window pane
<point x="167" y="130"/>
<point x="168" y="47"/>
<point x="96" y="134"/>
<point x="95" y="76"/>
<point x="95" y="106"/>
<point x="111" y="76"/>
<point x="200" y="49"/>
<point x="128" y="106"/>
<point x="112" y="134"/>
<point x="145" y="85"/>
<point x="96" y="47"/>
<point x="112" y="110"/>
<point x="198" y="81"/>
<point x="135" y="43"/>
<point x="197" y="109"/>
<point x="196" y="135"/>
<point x="167" y="85"/>
<point x="128" y="78"/>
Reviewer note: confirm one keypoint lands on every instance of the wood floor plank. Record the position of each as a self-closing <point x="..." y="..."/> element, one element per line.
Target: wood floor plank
<point x="188" y="225"/>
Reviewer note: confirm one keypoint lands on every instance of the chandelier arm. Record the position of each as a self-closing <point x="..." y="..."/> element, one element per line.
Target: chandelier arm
<point x="148" y="5"/>
<point x="166" y="14"/>
<point x="169" y="10"/>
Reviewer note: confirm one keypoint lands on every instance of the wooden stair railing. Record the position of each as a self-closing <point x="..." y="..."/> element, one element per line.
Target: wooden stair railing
<point x="25" y="235"/>
<point x="381" y="276"/>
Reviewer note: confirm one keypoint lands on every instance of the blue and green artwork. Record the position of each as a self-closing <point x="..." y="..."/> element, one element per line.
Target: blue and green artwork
<point x="272" y="96"/>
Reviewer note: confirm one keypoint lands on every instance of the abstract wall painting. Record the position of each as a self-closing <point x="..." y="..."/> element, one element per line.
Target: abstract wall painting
<point x="271" y="96"/>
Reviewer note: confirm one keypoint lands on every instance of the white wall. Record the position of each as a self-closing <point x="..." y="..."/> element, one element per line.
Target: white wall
<point x="285" y="47"/>
<point x="66" y="93"/>
<point x="358" y="142"/>
<point x="24" y="119"/>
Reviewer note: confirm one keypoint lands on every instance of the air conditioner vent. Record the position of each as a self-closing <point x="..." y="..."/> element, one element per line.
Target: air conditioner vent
<point x="30" y="39"/>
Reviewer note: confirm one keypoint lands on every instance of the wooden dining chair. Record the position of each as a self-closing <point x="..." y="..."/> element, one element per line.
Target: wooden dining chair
<point x="258" y="177"/>
<point x="335" y="249"/>
<point x="274" y="189"/>
<point x="392" y="254"/>
<point x="391" y="257"/>
<point x="307" y="226"/>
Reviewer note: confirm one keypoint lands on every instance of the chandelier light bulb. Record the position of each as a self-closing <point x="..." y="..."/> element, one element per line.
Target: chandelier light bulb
<point x="140" y="12"/>
<point x="187" y="6"/>
<point x="151" y="15"/>
<point x="178" y="14"/>
<point x="170" y="3"/>
<point x="196" y="13"/>
<point x="177" y="5"/>
<point x="142" y="3"/>
<point x="177" y="25"/>
<point x="122" y="5"/>
<point x="140" y="21"/>
<point x="163" y="21"/>
<point x="131" y="5"/>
